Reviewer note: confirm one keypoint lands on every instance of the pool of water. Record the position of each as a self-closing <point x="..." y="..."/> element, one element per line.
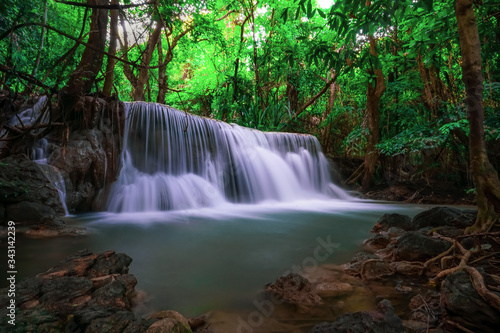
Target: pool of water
<point x="194" y="261"/>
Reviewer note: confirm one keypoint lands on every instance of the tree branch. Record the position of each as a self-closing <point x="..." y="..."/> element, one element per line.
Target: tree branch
<point x="86" y="5"/>
<point x="27" y="77"/>
<point x="19" y="26"/>
<point x="315" y="97"/>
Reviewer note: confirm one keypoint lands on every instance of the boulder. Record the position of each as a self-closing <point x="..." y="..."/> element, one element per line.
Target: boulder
<point x="385" y="320"/>
<point x="90" y="159"/>
<point x="294" y="289"/>
<point x="376" y="269"/>
<point x="354" y="266"/>
<point x="87" y="292"/>
<point x="444" y="216"/>
<point x="414" y="246"/>
<point x="464" y="305"/>
<point x="406" y="268"/>
<point x="379" y="241"/>
<point x="169" y="322"/>
<point x="393" y="220"/>
<point x="333" y="289"/>
<point x="26" y="193"/>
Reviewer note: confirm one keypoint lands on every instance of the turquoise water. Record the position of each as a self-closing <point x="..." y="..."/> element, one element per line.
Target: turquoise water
<point x="205" y="259"/>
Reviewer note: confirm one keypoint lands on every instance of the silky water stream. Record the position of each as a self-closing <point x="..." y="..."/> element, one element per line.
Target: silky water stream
<point x="211" y="212"/>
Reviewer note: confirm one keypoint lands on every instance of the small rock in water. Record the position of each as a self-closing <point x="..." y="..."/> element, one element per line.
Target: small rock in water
<point x="333" y="289"/>
<point x="294" y="289"/>
<point x="354" y="266"/>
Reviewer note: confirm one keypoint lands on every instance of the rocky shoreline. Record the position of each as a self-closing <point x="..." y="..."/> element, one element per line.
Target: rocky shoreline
<point x="415" y="275"/>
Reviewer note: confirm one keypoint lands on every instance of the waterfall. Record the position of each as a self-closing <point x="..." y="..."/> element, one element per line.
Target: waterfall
<point x="172" y="160"/>
<point x="39" y="152"/>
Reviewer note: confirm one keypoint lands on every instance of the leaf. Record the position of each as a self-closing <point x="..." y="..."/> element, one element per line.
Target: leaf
<point x="321" y="13"/>
<point x="284" y="16"/>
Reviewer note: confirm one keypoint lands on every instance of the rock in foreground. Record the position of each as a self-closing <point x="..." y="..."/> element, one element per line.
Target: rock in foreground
<point x="88" y="293"/>
<point x="385" y="320"/>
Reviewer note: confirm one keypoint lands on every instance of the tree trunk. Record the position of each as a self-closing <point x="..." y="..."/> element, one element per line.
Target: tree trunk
<point x="484" y="175"/>
<point x="84" y="76"/>
<point x="258" y="83"/>
<point x="138" y="89"/>
<point x="373" y="95"/>
<point x="327" y="129"/>
<point x="42" y="37"/>
<point x="162" y="75"/>
<point x="113" y="41"/>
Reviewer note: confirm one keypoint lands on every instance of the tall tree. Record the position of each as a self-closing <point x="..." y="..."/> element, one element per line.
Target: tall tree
<point x="484" y="175"/>
<point x="113" y="41"/>
<point x="83" y="77"/>
<point x="376" y="87"/>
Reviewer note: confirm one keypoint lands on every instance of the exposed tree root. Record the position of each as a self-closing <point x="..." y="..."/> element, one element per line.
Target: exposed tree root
<point x="464" y="255"/>
<point x="460" y="327"/>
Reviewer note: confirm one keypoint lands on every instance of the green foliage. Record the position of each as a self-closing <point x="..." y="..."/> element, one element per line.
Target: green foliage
<point x="256" y="63"/>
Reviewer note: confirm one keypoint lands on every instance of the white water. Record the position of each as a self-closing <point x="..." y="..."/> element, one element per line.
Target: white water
<point x="173" y="161"/>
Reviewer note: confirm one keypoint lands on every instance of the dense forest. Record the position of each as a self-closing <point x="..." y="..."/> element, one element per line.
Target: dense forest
<point x="401" y="89"/>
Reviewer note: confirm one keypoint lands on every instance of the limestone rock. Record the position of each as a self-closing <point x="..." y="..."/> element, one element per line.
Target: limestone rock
<point x="333" y="289"/>
<point x="294" y="289"/>
<point x="393" y="220"/>
<point x="444" y="216"/>
<point x="26" y="193"/>
<point x="354" y="266"/>
<point x="414" y="246"/>
<point x="384" y="320"/>
<point x="465" y="306"/>
<point x="169" y="322"/>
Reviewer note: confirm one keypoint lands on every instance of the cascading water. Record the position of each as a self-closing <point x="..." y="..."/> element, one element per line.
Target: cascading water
<point x="40" y="148"/>
<point x="172" y="160"/>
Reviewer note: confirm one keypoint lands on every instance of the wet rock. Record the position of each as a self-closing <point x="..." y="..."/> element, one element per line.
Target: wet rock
<point x="393" y="220"/>
<point x="54" y="229"/>
<point x="333" y="289"/>
<point x="116" y="323"/>
<point x="376" y="269"/>
<point x="294" y="289"/>
<point x="414" y="246"/>
<point x="197" y="323"/>
<point x="89" y="161"/>
<point x="406" y="268"/>
<point x="92" y="292"/>
<point x="426" y="308"/>
<point x="354" y="266"/>
<point x="395" y="232"/>
<point x="379" y="241"/>
<point x="464" y="305"/>
<point x="413" y="326"/>
<point x="384" y="320"/>
<point x="468" y="242"/>
<point x="26" y="193"/>
<point x="169" y="322"/>
<point x="444" y="216"/>
<point x="448" y="231"/>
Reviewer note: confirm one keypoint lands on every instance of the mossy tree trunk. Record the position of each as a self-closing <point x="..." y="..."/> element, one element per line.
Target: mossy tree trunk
<point x="484" y="175"/>
<point x="374" y="92"/>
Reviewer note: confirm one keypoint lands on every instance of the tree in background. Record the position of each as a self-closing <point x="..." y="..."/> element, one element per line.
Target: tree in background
<point x="485" y="176"/>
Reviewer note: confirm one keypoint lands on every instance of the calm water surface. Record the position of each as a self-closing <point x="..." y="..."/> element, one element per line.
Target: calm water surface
<point x="198" y="260"/>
